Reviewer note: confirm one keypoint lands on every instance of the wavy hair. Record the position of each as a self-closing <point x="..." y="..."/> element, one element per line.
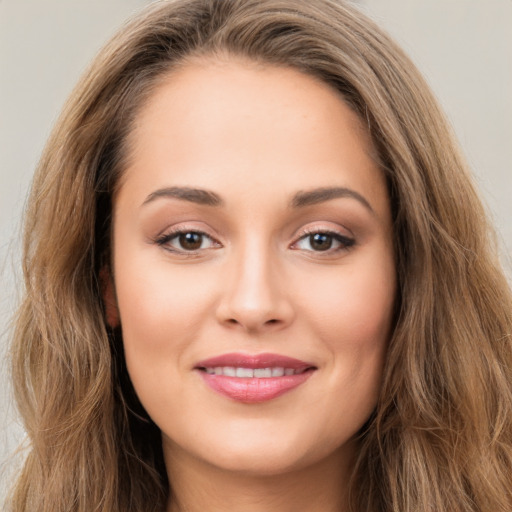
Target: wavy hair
<point x="440" y="439"/>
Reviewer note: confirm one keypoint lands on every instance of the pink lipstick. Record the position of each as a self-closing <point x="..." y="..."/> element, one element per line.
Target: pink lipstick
<point x="253" y="378"/>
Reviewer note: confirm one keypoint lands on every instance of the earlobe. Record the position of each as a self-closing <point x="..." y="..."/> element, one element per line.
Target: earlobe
<point x="109" y="298"/>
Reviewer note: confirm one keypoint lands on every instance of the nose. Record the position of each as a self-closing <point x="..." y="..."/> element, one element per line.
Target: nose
<point x="254" y="297"/>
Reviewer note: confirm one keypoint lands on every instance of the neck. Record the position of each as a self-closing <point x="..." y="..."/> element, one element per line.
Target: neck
<point x="198" y="486"/>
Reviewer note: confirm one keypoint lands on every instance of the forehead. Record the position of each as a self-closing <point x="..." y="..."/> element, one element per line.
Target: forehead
<point x="215" y="121"/>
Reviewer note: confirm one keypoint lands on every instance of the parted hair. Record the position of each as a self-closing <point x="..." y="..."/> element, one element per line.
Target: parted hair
<point x="440" y="438"/>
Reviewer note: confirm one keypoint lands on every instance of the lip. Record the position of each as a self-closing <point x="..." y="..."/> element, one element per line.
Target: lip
<point x="253" y="389"/>
<point x="265" y="360"/>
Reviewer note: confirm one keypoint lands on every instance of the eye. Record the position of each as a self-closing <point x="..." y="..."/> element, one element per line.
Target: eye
<point x="323" y="241"/>
<point x="186" y="241"/>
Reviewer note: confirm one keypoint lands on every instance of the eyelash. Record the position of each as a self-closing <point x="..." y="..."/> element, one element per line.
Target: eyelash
<point x="164" y="241"/>
<point x="345" y="242"/>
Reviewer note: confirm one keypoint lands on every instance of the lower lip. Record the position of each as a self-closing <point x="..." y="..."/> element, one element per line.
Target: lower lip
<point x="253" y="390"/>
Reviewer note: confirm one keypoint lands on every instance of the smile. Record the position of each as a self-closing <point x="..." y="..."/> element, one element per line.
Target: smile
<point x="254" y="378"/>
<point x="247" y="373"/>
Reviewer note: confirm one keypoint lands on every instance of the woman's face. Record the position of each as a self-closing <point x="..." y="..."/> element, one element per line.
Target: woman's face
<point x="253" y="267"/>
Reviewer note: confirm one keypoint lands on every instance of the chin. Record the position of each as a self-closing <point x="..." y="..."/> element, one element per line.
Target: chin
<point x="259" y="463"/>
<point x="260" y="454"/>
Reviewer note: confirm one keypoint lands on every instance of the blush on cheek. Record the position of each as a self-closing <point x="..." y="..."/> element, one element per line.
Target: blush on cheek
<point x="354" y="313"/>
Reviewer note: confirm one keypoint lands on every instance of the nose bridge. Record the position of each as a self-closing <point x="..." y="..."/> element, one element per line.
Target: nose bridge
<point x="253" y="297"/>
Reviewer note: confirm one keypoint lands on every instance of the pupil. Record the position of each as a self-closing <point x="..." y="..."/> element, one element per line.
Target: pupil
<point x="191" y="241"/>
<point x="320" y="241"/>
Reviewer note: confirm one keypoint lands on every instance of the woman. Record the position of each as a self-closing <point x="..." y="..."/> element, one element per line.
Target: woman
<point x="259" y="278"/>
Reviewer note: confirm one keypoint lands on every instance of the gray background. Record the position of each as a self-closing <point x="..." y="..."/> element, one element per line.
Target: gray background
<point x="464" y="47"/>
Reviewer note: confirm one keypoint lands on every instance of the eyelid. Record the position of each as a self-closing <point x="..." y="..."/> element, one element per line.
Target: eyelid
<point x="324" y="227"/>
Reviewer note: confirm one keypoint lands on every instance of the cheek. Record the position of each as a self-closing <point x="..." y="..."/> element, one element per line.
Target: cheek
<point x="157" y="299"/>
<point x="161" y="312"/>
<point x="354" y="308"/>
<point x="352" y="316"/>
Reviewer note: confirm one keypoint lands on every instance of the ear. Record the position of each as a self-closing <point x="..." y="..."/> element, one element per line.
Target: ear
<point x="109" y="297"/>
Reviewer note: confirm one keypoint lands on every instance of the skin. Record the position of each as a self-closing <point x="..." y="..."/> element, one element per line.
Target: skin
<point x="256" y="136"/>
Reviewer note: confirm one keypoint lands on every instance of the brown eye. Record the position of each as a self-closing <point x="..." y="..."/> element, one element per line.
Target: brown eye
<point x="324" y="241"/>
<point x="320" y="241"/>
<point x="186" y="241"/>
<point x="190" y="241"/>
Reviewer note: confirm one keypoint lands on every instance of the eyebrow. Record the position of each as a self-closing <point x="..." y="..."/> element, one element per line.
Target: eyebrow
<point x="320" y="195"/>
<point x="300" y="199"/>
<point x="193" y="195"/>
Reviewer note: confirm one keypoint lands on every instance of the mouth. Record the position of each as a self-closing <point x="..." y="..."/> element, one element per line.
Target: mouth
<point x="254" y="378"/>
<point x="248" y="373"/>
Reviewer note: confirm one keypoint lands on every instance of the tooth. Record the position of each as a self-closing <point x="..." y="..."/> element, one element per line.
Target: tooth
<point x="244" y="372"/>
<point x="229" y="371"/>
<point x="277" y="372"/>
<point x="263" y="372"/>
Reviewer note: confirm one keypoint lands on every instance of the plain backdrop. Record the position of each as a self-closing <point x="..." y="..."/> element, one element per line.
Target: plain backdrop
<point x="463" y="47"/>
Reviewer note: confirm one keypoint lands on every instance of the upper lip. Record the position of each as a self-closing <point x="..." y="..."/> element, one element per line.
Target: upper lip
<point x="265" y="360"/>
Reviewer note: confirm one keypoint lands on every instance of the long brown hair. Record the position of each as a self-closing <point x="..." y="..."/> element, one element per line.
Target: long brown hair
<point x="440" y="438"/>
